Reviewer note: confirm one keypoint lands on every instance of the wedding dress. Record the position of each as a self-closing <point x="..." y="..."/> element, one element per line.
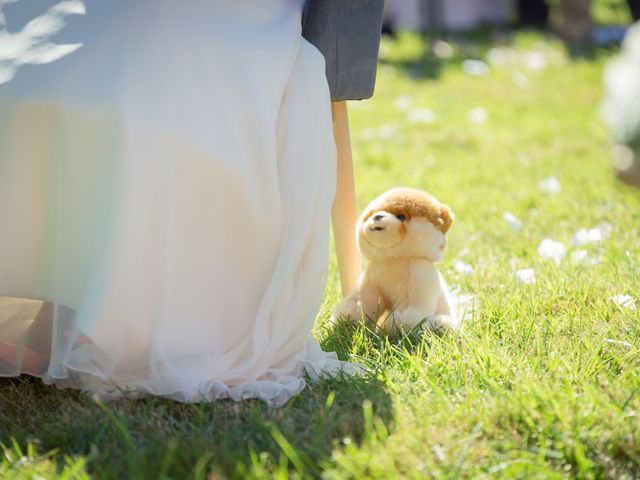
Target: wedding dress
<point x="167" y="170"/>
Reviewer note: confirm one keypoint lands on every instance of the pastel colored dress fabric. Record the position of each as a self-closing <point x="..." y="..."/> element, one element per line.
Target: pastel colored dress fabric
<point x="166" y="176"/>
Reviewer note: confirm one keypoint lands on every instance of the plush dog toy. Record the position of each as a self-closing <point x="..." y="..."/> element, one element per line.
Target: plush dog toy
<point x="402" y="235"/>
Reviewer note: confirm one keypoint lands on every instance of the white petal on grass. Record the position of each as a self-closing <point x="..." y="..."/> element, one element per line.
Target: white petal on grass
<point x="551" y="250"/>
<point x="463" y="267"/>
<point x="535" y="61"/>
<point x="464" y="305"/>
<point x="618" y="342"/>
<point x="625" y="301"/>
<point x="387" y="131"/>
<point x="421" y="115"/>
<point x="594" y="260"/>
<point x="523" y="157"/>
<point x="368" y="134"/>
<point x="520" y="80"/>
<point x="438" y="451"/>
<point x="430" y="160"/>
<point x="467" y="306"/>
<point x="585" y="236"/>
<point x="475" y="68"/>
<point x="606" y="228"/>
<point x="550" y="185"/>
<point x="526" y="275"/>
<point x="442" y="49"/>
<point x="402" y="103"/>
<point x="389" y="70"/>
<point x="478" y="115"/>
<point x="377" y="148"/>
<point x="514" y="222"/>
<point x="498" y="56"/>
<point x="579" y="256"/>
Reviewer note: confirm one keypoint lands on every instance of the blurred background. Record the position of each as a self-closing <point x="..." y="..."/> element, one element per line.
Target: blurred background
<point x="579" y="22"/>
<point x="490" y="90"/>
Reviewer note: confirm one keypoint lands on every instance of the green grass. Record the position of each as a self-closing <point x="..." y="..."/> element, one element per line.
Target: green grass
<point x="532" y="388"/>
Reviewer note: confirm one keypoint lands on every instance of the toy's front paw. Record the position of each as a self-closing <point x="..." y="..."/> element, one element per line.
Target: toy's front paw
<point x="413" y="317"/>
<point x="365" y="304"/>
<point x="406" y="319"/>
<point x="440" y="323"/>
<point x="347" y="309"/>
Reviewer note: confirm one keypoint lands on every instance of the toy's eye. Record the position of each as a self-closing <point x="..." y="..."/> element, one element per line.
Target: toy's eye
<point x="401" y="217"/>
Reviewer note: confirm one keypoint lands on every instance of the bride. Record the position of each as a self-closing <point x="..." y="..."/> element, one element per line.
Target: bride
<point x="167" y="171"/>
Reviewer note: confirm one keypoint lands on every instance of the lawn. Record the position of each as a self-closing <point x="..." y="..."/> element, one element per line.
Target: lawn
<point x="544" y="379"/>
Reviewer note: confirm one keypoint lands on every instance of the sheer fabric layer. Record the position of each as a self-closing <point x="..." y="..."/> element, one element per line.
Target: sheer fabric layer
<point x="164" y="203"/>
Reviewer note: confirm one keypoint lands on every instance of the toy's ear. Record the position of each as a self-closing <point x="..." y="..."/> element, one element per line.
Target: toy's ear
<point x="446" y="218"/>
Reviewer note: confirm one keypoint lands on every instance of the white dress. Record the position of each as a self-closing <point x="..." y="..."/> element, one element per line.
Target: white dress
<point x="167" y="170"/>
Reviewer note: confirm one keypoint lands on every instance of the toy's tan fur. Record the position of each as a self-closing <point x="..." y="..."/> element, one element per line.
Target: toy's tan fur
<point x="412" y="203"/>
<point x="402" y="235"/>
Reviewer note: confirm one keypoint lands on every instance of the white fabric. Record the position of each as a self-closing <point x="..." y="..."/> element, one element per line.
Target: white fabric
<point x="165" y="189"/>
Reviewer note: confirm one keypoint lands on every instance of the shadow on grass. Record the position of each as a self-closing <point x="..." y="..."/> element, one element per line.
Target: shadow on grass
<point x="158" y="438"/>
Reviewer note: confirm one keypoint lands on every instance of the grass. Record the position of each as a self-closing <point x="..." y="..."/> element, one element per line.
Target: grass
<point x="544" y="381"/>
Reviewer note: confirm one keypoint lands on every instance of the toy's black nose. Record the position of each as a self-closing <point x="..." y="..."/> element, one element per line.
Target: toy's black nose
<point x="378" y="217"/>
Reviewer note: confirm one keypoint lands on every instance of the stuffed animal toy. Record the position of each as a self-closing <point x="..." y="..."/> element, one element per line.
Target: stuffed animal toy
<point x="402" y="235"/>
